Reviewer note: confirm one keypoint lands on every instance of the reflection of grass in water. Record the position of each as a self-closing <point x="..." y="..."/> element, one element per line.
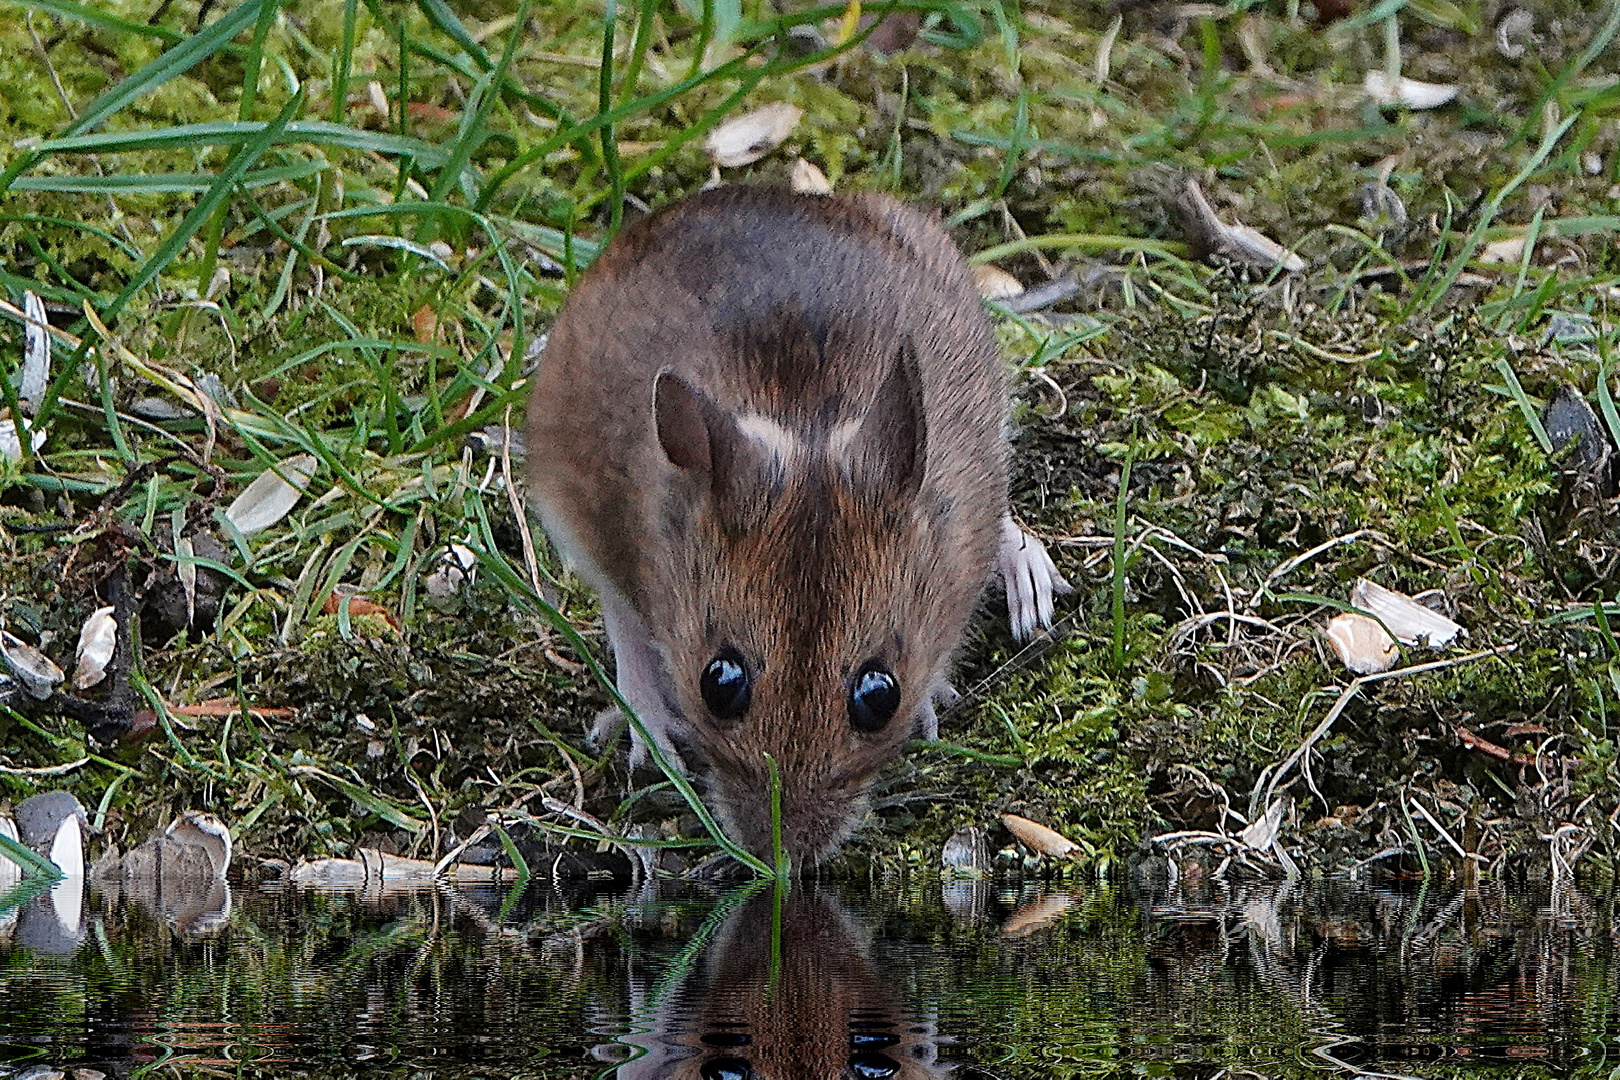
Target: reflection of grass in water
<point x="1383" y="389"/>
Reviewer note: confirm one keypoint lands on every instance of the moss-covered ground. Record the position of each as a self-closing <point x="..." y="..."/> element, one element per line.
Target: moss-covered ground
<point x="339" y="228"/>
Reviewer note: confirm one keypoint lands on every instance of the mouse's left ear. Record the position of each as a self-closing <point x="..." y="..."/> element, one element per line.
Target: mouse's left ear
<point x="685" y="419"/>
<point x="886" y="456"/>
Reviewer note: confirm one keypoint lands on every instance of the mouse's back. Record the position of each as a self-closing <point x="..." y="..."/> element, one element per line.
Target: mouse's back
<point x="768" y="430"/>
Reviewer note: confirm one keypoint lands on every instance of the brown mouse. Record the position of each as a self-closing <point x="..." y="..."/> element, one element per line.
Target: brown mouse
<point x="768" y="431"/>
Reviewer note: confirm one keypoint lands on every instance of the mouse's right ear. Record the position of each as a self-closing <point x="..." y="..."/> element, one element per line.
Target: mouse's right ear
<point x="701" y="438"/>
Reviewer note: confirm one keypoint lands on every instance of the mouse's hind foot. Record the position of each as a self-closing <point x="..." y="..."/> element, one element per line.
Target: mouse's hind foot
<point x="1031" y="577"/>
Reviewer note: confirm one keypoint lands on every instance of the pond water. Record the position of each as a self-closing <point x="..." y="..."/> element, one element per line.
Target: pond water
<point x="968" y="980"/>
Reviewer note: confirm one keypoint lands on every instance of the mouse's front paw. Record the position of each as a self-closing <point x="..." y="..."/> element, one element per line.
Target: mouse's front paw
<point x="606" y="728"/>
<point x="941" y="694"/>
<point x="1031" y="577"/>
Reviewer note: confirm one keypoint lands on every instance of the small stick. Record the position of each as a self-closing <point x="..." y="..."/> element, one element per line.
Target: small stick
<point x="530" y="563"/>
<point x="47" y="770"/>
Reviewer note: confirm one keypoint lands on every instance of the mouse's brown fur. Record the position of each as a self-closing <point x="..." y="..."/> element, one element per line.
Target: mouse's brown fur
<point x="816" y="480"/>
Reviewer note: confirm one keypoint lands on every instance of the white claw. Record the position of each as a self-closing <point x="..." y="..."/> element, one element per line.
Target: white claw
<point x="1032" y="580"/>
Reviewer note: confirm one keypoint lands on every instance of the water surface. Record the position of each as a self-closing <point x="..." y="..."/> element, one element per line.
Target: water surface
<point x="967" y="980"/>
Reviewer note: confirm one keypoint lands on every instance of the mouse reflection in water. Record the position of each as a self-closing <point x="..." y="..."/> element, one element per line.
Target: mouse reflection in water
<point x="817" y="1010"/>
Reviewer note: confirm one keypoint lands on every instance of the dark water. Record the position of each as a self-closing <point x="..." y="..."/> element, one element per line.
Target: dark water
<point x="964" y="980"/>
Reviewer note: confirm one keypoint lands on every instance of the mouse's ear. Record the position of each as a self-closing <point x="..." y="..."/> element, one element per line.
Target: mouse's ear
<point x="685" y="419"/>
<point x="887" y="454"/>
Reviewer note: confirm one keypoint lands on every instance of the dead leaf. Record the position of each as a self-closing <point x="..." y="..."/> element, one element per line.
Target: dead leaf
<point x="359" y="605"/>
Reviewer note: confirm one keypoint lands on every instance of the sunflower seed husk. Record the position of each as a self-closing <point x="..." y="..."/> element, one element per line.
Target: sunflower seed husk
<point x="272" y="495"/>
<point x="33" y="669"/>
<point x="1408" y="93"/>
<point x="995" y="283"/>
<point x="745" y="139"/>
<point x="805" y="178"/>
<point x="1361" y="644"/>
<point x="1411" y="622"/>
<point x="1038" y="838"/>
<point x="36" y="372"/>
<point x="98" y="638"/>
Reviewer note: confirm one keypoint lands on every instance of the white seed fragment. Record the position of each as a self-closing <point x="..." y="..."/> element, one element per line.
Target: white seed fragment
<point x="272" y="496"/>
<point x="38" y="675"/>
<point x="1038" y="838"/>
<point x="995" y="283"/>
<point x="805" y="178"/>
<point x="36" y="371"/>
<point x="1408" y="93"/>
<point x="745" y="139"/>
<point x="458" y="566"/>
<point x="11" y="444"/>
<point x="1361" y="644"/>
<point x="1411" y="622"/>
<point x="208" y="834"/>
<point x="98" y="637"/>
<point x="1507" y="250"/>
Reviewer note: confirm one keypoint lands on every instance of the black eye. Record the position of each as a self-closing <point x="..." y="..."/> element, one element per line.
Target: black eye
<point x="873" y="1066"/>
<point x="726" y="1069"/>
<point x="873" y="697"/>
<point x="726" y="686"/>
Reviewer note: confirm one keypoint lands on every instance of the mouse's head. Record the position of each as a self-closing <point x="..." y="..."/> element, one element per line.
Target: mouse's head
<point x="812" y="590"/>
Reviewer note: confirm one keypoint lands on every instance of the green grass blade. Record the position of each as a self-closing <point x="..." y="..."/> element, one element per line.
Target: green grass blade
<point x="1118" y="585"/>
<point x="237" y="132"/>
<point x="105" y="20"/>
<point x="439" y="14"/>
<point x="604" y="103"/>
<point x="1488" y="214"/>
<point x="1606" y="400"/>
<point x="344" y="61"/>
<point x="177" y="61"/>
<point x="215" y="197"/>
<point x="254" y="59"/>
<point x="1531" y="417"/>
<point x="162" y="183"/>
<point x="32" y="863"/>
<point x="523" y="592"/>
<point x="474" y="129"/>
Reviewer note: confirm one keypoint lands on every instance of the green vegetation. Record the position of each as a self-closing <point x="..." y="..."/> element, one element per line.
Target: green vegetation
<point x="340" y="230"/>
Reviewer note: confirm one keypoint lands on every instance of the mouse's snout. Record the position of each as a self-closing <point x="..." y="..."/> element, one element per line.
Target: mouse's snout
<point x="817" y="814"/>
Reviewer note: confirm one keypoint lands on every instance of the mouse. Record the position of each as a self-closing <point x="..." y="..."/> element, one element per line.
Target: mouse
<point x="769" y="430"/>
